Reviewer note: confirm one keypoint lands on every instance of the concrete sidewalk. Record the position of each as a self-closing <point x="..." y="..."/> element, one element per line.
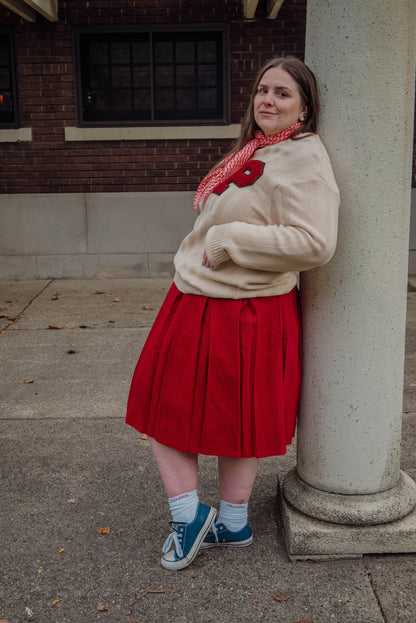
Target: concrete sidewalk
<point x="71" y="467"/>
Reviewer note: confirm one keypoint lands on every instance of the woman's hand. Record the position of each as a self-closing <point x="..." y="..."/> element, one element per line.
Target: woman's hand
<point x="205" y="262"/>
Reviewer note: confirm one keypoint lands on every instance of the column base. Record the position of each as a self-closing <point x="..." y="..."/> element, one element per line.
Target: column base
<point x="308" y="538"/>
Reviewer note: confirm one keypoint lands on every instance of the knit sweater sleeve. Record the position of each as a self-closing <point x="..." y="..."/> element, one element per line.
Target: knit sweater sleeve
<point x="302" y="235"/>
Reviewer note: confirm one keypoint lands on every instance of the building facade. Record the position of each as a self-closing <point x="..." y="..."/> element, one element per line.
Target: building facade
<point x="111" y="113"/>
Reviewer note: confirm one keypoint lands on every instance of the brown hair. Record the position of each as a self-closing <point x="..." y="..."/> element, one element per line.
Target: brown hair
<point x="306" y="82"/>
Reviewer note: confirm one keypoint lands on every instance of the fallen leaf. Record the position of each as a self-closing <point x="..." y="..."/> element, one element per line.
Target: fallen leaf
<point x="302" y="621"/>
<point x="149" y="592"/>
<point x="55" y="298"/>
<point x="9" y="301"/>
<point x="54" y="326"/>
<point x="2" y="332"/>
<point x="104" y="530"/>
<point x="56" y="601"/>
<point x="147" y="307"/>
<point x="39" y="571"/>
<point x="27" y="381"/>
<point x="281" y="596"/>
<point x="102" y="608"/>
<point x="61" y="551"/>
<point x="99" y="292"/>
<point x="144" y="436"/>
<point x="116" y="300"/>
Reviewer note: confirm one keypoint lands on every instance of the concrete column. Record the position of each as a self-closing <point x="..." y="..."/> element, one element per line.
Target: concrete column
<point x="348" y="495"/>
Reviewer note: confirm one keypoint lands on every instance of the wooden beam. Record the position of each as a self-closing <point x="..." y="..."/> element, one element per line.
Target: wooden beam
<point x="250" y="7"/>
<point x="273" y="8"/>
<point x="47" y="8"/>
<point x="21" y="8"/>
<point x="28" y="9"/>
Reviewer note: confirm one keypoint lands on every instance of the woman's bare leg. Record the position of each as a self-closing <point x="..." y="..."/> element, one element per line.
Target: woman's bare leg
<point x="237" y="478"/>
<point x="178" y="470"/>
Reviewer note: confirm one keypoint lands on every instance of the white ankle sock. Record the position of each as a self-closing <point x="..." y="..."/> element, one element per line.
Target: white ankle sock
<point x="183" y="507"/>
<point x="233" y="516"/>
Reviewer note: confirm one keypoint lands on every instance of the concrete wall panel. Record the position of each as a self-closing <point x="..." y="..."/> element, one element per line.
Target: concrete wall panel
<point x="45" y="223"/>
<point x="138" y="222"/>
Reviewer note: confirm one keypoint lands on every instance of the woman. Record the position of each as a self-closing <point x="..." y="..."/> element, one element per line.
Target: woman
<point x="220" y="372"/>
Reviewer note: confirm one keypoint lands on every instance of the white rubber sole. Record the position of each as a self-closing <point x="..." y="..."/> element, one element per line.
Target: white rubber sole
<point x="244" y="543"/>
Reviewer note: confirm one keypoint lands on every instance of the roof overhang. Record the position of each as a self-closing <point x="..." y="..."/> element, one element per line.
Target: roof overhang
<point x="30" y="9"/>
<point x="273" y="7"/>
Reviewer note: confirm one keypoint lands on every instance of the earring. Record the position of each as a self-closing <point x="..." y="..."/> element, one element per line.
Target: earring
<point x="302" y="118"/>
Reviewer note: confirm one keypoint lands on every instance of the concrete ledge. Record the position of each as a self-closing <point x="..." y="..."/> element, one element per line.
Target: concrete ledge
<point x="160" y="133"/>
<point x="15" y="135"/>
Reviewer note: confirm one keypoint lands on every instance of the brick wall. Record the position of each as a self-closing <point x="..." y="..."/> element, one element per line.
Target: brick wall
<point x="49" y="164"/>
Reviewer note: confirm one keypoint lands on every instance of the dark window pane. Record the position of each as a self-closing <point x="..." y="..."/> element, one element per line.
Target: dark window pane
<point x="141" y="76"/>
<point x="207" y="76"/>
<point x="207" y="98"/>
<point x="120" y="53"/>
<point x="185" y="52"/>
<point x="185" y="75"/>
<point x="141" y="52"/>
<point x="8" y="86"/>
<point x="129" y="76"/>
<point x="6" y="102"/>
<point x="142" y="100"/>
<point x="163" y="52"/>
<point x="121" y="100"/>
<point x="99" y="77"/>
<point x="120" y="76"/>
<point x="5" y="78"/>
<point x="207" y="51"/>
<point x="164" y="76"/>
<point x="4" y="55"/>
<point x="100" y="101"/>
<point x="165" y="99"/>
<point x="98" y="53"/>
<point x="186" y="99"/>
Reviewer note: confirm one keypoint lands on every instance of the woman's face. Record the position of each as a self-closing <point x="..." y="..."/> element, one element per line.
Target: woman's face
<point x="277" y="103"/>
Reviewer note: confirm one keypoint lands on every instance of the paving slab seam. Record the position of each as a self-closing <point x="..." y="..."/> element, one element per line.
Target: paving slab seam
<point x="373" y="585"/>
<point x="31" y="301"/>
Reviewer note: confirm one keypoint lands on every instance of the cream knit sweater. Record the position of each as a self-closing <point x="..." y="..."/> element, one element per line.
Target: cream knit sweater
<point x="275" y="217"/>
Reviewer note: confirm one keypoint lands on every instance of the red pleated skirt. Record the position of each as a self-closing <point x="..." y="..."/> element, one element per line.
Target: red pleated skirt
<point x="220" y="376"/>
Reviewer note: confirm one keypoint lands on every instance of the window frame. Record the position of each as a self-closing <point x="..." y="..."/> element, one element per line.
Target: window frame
<point x="15" y="123"/>
<point x="221" y="29"/>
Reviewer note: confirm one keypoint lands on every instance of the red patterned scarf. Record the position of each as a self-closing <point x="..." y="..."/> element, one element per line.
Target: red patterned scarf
<point x="233" y="162"/>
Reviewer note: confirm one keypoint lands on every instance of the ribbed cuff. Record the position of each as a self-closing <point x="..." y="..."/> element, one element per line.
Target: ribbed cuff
<point x="214" y="245"/>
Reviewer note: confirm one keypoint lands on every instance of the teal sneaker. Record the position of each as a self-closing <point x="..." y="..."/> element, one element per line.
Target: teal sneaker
<point x="187" y="538"/>
<point x="220" y="536"/>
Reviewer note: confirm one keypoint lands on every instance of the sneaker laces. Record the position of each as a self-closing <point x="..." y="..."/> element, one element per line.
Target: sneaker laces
<point x="173" y="539"/>
<point x="215" y="531"/>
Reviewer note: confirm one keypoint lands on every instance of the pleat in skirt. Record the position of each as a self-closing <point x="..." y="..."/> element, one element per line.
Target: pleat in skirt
<point x="220" y="376"/>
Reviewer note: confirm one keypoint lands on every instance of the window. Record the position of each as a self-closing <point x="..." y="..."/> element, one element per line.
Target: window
<point x="8" y="90"/>
<point x="151" y="77"/>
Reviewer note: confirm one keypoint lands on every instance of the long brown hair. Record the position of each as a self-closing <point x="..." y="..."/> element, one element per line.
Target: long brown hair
<point x="306" y="82"/>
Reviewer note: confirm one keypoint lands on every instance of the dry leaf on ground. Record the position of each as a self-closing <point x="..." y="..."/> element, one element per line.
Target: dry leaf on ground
<point x="280" y="597"/>
<point x="102" y="608"/>
<point x="104" y="530"/>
